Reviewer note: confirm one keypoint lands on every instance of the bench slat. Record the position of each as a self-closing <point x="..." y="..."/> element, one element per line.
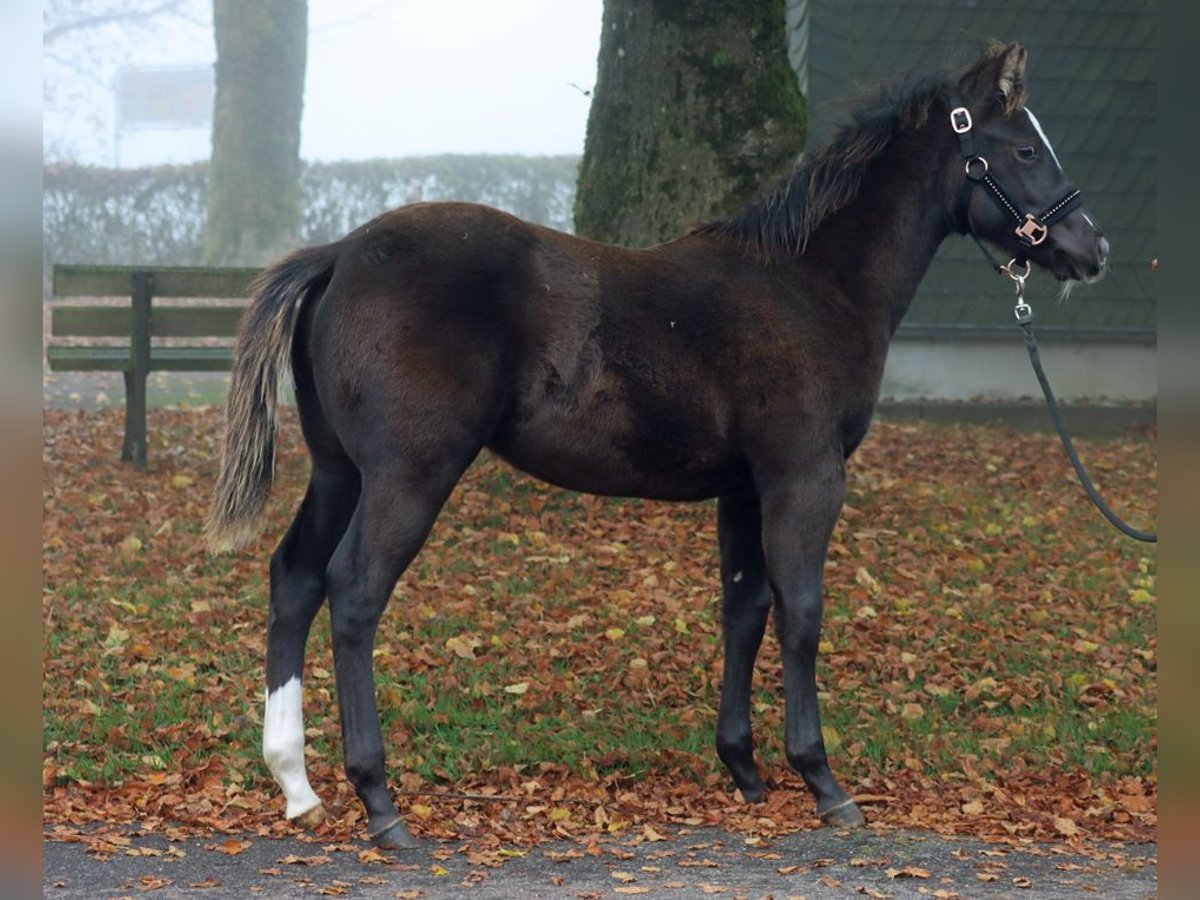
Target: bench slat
<point x="119" y="359"/>
<point x="169" y="281"/>
<point x="117" y="321"/>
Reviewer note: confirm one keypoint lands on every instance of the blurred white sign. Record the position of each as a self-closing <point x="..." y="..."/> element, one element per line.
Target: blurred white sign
<point x="165" y="97"/>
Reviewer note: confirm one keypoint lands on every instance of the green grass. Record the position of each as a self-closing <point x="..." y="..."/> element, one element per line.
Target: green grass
<point x="612" y="624"/>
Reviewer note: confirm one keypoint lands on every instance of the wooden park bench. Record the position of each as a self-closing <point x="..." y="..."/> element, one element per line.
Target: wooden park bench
<point x="144" y="319"/>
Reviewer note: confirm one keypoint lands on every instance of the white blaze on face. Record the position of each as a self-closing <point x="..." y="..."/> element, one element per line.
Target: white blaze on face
<point x="283" y="747"/>
<point x="1037" y="126"/>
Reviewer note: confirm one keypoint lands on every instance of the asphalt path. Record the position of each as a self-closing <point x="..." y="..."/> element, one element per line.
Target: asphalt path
<point x="692" y="863"/>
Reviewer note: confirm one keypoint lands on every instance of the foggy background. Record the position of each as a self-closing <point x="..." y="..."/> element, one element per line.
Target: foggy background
<point x="385" y="78"/>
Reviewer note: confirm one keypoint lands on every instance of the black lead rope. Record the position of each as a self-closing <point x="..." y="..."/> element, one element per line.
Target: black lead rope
<point x="1025" y="320"/>
<point x="1031" y="230"/>
<point x="1024" y="314"/>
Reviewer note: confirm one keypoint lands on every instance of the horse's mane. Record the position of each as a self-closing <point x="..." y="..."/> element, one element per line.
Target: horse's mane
<point x="786" y="217"/>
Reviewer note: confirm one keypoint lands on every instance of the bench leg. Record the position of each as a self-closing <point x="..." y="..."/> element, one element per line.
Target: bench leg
<point x="134" y="446"/>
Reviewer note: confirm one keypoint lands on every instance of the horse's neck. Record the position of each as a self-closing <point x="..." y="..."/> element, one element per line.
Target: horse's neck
<point x="882" y="243"/>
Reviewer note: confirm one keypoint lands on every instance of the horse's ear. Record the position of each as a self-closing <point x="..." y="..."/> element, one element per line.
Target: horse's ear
<point x="1000" y="72"/>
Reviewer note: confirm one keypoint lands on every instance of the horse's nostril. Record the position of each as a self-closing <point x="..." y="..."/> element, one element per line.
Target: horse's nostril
<point x="1102" y="249"/>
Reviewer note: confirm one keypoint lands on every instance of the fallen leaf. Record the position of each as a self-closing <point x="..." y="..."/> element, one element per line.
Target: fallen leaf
<point x="907" y="872"/>
<point x="232" y="847"/>
<point x="1066" y="826"/>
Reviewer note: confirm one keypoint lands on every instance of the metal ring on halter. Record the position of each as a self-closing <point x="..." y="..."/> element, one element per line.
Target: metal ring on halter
<point x="1007" y="269"/>
<point x="975" y="159"/>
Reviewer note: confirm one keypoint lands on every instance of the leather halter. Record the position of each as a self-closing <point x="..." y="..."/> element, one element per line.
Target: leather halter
<point x="1031" y="228"/>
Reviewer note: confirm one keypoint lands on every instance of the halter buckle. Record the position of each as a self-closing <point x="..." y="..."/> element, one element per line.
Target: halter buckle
<point x="1031" y="230"/>
<point x="960" y="120"/>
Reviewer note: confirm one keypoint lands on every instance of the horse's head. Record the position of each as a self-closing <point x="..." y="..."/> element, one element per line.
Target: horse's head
<point x="1019" y="197"/>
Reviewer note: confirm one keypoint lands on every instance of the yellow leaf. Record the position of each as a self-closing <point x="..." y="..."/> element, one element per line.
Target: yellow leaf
<point x="463" y="646"/>
<point x="1140" y="596"/>
<point x="983" y="686"/>
<point x="825" y="647"/>
<point x="439" y="871"/>
<point x="519" y="688"/>
<point x="1066" y="826"/>
<point x="972" y="808"/>
<point x="867" y="580"/>
<point x="615" y="634"/>
<point x="832" y="739"/>
<point x="680" y="625"/>
<point x="558" y="814"/>
<point x="117" y="636"/>
<point x="131" y="545"/>
<point x="510" y="854"/>
<point x="650" y="834"/>
<point x="420" y="810"/>
<point x="185" y="672"/>
<point x="624" y="877"/>
<point x="646" y="621"/>
<point x="912" y="712"/>
<point x="182" y="481"/>
<point x="123" y="604"/>
<point x="866" y="612"/>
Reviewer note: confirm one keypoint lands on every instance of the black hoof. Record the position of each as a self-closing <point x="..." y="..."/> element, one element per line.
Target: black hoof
<point x="752" y="794"/>
<point x="393" y="836"/>
<point x="844" y="815"/>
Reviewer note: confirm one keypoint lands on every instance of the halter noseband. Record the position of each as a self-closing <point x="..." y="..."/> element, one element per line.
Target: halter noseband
<point x="1031" y="228"/>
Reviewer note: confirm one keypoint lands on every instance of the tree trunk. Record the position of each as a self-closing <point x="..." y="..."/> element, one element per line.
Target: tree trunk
<point x="254" y="176"/>
<point x="695" y="108"/>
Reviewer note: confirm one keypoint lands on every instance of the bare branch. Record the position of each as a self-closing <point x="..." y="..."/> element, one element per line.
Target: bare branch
<point x="128" y="16"/>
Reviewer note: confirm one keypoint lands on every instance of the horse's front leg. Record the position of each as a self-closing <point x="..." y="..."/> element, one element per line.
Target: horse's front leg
<point x="745" y="602"/>
<point x="799" y="514"/>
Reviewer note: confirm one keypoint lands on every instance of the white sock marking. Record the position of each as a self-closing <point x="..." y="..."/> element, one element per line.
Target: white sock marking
<point x="283" y="747"/>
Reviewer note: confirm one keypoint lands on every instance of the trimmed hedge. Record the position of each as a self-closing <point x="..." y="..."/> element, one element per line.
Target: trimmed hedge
<point x="156" y="216"/>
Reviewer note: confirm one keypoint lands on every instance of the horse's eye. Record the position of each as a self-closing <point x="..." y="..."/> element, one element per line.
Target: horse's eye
<point x="1027" y="151"/>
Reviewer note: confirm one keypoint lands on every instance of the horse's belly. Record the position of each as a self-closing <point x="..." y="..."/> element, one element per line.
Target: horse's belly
<point x="602" y="454"/>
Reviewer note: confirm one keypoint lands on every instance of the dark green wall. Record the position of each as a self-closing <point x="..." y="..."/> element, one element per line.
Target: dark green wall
<point x="1092" y="76"/>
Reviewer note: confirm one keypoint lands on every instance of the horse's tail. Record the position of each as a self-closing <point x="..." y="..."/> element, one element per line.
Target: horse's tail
<point x="261" y="357"/>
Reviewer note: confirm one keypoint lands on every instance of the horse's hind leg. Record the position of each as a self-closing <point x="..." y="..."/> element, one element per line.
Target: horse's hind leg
<point x="297" y="591"/>
<point x="746" y="600"/>
<point x="395" y="512"/>
<point x="799" y="514"/>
